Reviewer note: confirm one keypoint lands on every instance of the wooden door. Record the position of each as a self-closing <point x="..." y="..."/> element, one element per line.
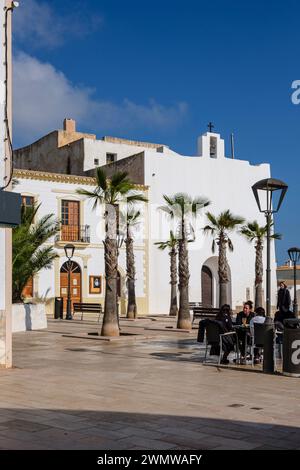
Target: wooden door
<point x="70" y="220"/>
<point x="75" y="284"/>
<point x="206" y="287"/>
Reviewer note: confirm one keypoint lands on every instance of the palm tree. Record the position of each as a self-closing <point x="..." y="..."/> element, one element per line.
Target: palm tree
<point x="132" y="219"/>
<point x="219" y="227"/>
<point x="181" y="206"/>
<point x="28" y="254"/>
<point x="171" y="245"/>
<point x="255" y="233"/>
<point x="110" y="193"/>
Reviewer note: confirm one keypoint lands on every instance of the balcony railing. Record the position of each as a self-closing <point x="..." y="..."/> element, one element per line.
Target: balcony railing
<point x="74" y="233"/>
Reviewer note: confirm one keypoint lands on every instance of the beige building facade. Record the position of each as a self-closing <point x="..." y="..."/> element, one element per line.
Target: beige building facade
<point x="83" y="227"/>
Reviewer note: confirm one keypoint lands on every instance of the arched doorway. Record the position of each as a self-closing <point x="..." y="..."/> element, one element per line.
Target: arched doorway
<point x="75" y="283"/>
<point x="210" y="271"/>
<point x="206" y="287"/>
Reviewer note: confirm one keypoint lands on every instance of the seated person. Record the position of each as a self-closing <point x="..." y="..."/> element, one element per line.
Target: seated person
<point x="223" y="317"/>
<point x="279" y="318"/>
<point x="282" y="315"/>
<point x="244" y="317"/>
<point x="246" y="313"/>
<point x="259" y="317"/>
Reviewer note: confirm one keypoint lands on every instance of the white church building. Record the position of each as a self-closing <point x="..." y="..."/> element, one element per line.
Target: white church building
<point x="50" y="170"/>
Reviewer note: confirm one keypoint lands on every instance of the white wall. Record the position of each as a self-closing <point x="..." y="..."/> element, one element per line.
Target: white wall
<point x="98" y="149"/>
<point x="227" y="183"/>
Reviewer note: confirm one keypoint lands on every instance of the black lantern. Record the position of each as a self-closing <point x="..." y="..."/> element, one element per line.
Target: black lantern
<point x="264" y="192"/>
<point x="294" y="255"/>
<point x="69" y="251"/>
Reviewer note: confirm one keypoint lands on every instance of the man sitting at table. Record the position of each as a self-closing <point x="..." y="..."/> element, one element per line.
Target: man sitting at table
<point x="244" y="318"/>
<point x="260" y="317"/>
<point x="246" y="314"/>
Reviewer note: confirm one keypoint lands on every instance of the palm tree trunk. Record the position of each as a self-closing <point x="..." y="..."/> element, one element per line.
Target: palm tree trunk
<point x="258" y="274"/>
<point x="223" y="272"/>
<point x="110" y="325"/>
<point x="173" y="274"/>
<point x="184" y="318"/>
<point x="131" y="307"/>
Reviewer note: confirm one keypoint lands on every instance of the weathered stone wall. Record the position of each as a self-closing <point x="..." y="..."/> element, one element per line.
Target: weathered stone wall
<point x="44" y="155"/>
<point x="133" y="165"/>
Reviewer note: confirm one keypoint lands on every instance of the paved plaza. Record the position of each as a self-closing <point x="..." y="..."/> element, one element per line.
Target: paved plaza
<point x="147" y="390"/>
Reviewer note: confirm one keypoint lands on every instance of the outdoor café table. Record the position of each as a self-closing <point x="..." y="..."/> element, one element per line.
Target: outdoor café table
<point x="243" y="331"/>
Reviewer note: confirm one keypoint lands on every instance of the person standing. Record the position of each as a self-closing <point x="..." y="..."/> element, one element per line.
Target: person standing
<point x="283" y="298"/>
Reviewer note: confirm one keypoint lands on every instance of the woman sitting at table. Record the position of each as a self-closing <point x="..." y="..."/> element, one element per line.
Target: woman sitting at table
<point x="244" y="318"/>
<point x="223" y="317"/>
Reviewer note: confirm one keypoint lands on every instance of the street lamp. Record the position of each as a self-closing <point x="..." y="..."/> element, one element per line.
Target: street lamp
<point x="69" y="251"/>
<point x="294" y="254"/>
<point x="265" y="192"/>
<point x="269" y="194"/>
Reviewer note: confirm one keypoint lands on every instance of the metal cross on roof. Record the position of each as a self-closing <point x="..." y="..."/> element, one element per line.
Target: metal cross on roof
<point x="210" y="126"/>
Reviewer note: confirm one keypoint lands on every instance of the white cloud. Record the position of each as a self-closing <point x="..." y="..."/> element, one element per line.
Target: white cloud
<point x="43" y="97"/>
<point x="37" y="24"/>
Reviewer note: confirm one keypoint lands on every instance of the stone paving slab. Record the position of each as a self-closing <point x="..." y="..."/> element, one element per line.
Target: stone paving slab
<point x="155" y="393"/>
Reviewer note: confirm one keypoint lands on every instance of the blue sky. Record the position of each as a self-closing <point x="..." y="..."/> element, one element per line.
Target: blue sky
<point x="160" y="70"/>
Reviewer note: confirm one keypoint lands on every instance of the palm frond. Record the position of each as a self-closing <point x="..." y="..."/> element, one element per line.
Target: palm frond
<point x="198" y="204"/>
<point x="101" y="179"/>
<point x="29" y="255"/>
<point x="276" y="236"/>
<point x="170" y="243"/>
<point x="230" y="244"/>
<point x="136" y="197"/>
<point x="208" y="229"/>
<point x="212" y="219"/>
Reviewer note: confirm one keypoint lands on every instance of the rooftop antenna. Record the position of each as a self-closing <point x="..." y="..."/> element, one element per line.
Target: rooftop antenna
<point x="232" y="145"/>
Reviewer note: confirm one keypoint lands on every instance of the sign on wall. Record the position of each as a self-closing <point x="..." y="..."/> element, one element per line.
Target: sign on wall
<point x="95" y="284"/>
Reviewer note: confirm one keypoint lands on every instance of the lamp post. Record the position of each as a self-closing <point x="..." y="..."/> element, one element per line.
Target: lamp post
<point x="294" y="254"/>
<point x="69" y="251"/>
<point x="269" y="194"/>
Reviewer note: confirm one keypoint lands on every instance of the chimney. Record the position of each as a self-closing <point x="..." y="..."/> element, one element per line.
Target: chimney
<point x="69" y="125"/>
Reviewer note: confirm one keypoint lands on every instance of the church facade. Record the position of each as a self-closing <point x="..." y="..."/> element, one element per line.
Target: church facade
<point x="50" y="170"/>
